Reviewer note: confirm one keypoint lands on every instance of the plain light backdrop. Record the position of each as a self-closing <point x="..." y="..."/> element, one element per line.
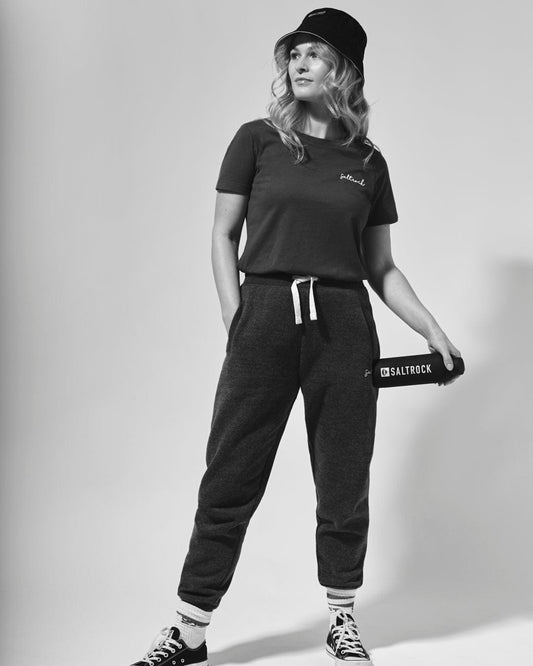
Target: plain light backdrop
<point x="115" y="118"/>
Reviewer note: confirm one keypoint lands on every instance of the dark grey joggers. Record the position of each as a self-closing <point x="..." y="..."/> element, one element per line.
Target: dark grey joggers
<point x="269" y="357"/>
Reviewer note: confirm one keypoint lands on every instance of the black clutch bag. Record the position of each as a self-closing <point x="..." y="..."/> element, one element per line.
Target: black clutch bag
<point x="417" y="369"/>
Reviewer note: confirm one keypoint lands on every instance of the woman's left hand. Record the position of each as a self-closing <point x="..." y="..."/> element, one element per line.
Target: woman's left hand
<point x="438" y="342"/>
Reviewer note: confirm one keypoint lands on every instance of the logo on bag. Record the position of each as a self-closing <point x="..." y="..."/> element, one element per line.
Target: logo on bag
<point x="349" y="177"/>
<point x="424" y="369"/>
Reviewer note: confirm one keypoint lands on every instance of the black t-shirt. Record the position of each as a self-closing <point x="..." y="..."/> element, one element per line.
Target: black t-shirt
<point x="308" y="218"/>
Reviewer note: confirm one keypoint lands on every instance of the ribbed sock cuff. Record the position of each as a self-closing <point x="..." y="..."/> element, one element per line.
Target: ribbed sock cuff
<point x="340" y="599"/>
<point x="198" y="614"/>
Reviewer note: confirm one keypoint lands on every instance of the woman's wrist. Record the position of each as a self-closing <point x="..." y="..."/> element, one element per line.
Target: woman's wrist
<point x="229" y="310"/>
<point x="431" y="327"/>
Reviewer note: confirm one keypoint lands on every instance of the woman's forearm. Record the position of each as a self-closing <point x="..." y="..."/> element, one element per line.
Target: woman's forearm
<point x="393" y="288"/>
<point x="224" y="254"/>
<point x="395" y="291"/>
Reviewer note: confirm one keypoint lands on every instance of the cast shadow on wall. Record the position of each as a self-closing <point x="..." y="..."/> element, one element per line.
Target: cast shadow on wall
<point x="466" y="501"/>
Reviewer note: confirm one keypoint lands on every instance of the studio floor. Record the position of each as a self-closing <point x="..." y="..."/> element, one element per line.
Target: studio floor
<point x="505" y="642"/>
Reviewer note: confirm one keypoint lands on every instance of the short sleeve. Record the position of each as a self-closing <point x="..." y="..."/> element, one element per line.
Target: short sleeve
<point x="383" y="210"/>
<point x="238" y="166"/>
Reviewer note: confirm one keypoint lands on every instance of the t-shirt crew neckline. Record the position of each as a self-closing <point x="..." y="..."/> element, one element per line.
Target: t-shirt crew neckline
<point x="317" y="139"/>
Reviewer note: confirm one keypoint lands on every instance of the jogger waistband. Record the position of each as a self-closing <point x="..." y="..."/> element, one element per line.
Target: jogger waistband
<point x="279" y="278"/>
<point x="284" y="278"/>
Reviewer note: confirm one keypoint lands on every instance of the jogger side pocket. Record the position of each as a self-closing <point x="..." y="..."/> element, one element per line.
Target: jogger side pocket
<point x="233" y="324"/>
<point x="366" y="308"/>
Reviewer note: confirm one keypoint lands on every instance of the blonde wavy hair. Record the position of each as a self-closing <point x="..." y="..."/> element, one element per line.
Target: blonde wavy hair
<point x="343" y="96"/>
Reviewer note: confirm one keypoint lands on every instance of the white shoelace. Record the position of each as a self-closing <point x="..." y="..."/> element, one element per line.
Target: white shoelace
<point x="296" y="296"/>
<point x="162" y="646"/>
<point x="346" y="635"/>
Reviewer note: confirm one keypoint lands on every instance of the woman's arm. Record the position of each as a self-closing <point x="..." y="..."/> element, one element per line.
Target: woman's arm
<point x="391" y="285"/>
<point x="230" y="211"/>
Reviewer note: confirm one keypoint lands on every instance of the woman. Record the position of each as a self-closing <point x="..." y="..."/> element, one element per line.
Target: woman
<point x="318" y="203"/>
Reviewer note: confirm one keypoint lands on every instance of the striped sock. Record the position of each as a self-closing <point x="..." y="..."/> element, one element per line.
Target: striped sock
<point x="340" y="600"/>
<point x="192" y="623"/>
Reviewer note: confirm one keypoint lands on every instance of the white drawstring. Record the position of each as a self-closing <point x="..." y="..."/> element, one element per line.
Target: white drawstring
<point x="296" y="296"/>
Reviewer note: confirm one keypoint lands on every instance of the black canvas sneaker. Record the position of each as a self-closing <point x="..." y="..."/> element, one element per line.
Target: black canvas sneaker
<point x="168" y="649"/>
<point x="344" y="643"/>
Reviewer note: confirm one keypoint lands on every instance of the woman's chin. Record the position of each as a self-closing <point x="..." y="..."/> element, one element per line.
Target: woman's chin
<point x="303" y="97"/>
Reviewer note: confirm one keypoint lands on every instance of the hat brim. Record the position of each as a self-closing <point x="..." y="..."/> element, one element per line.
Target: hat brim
<point x="306" y="32"/>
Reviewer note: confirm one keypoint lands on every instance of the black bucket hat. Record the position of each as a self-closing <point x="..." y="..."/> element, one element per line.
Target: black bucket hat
<point x="338" y="29"/>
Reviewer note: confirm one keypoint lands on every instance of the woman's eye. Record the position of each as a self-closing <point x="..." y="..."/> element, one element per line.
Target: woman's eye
<point x="296" y="55"/>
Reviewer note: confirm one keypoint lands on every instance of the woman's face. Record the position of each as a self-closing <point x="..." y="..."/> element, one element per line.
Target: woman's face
<point x="306" y="71"/>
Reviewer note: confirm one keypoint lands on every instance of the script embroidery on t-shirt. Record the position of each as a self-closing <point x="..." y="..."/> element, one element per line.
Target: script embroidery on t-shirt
<point x="352" y="179"/>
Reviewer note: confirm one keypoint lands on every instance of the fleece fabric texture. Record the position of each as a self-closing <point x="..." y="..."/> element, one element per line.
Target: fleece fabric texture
<point x="268" y="360"/>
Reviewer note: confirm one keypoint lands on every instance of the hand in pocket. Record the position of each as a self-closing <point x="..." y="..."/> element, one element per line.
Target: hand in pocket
<point x="228" y="321"/>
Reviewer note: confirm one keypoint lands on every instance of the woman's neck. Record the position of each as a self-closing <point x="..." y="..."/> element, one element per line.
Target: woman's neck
<point x="323" y="126"/>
